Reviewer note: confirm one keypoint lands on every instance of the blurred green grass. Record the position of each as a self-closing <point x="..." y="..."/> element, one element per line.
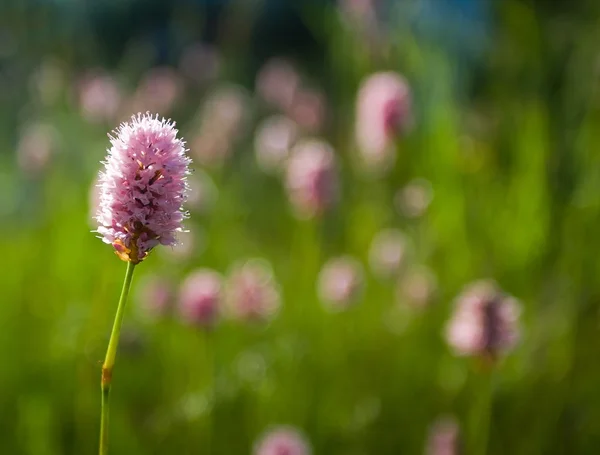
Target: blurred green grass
<point x="515" y="199"/>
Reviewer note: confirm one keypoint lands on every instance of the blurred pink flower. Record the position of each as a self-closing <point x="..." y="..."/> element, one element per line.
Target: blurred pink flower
<point x="417" y="286"/>
<point x="340" y="282"/>
<point x="143" y="187"/>
<point x="154" y="296"/>
<point x="357" y="9"/>
<point x="251" y="291"/>
<point x="361" y="17"/>
<point x="414" y="199"/>
<point x="226" y="108"/>
<point x="37" y="144"/>
<point x="311" y="179"/>
<point x="444" y="438"/>
<point x="200" y="62"/>
<point x="388" y="252"/>
<point x="99" y="97"/>
<point x="383" y="110"/>
<point x="223" y="120"/>
<point x="485" y="321"/>
<point x="200" y="297"/>
<point x="277" y="83"/>
<point x="158" y="91"/>
<point x="308" y="109"/>
<point x="273" y="140"/>
<point x="282" y="441"/>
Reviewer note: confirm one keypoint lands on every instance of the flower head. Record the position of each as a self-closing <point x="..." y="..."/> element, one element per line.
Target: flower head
<point x="444" y="437"/>
<point x="309" y="109"/>
<point x="311" y="179"/>
<point x="417" y="286"/>
<point x="273" y="140"/>
<point x="223" y="120"/>
<point x="99" y="97"/>
<point x="282" y="441"/>
<point x="200" y="296"/>
<point x="36" y="147"/>
<point x="252" y="293"/>
<point x="340" y="282"/>
<point x="413" y="200"/>
<point x="485" y="321"/>
<point x="277" y="83"/>
<point x="388" y="252"/>
<point x="383" y="111"/>
<point x="158" y="91"/>
<point x="357" y="10"/>
<point x="143" y="187"/>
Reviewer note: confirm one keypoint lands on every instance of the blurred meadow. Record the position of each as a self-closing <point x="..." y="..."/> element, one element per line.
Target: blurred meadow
<point x="492" y="171"/>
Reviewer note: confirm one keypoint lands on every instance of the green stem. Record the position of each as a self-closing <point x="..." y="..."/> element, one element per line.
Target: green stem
<point x="210" y="365"/>
<point x="481" y="418"/>
<point x="109" y="361"/>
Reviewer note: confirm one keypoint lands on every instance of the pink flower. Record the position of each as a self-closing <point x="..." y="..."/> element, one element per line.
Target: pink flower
<point x="485" y="321"/>
<point x="414" y="199"/>
<point x="444" y="438"/>
<point x="223" y="119"/>
<point x="388" y="252"/>
<point x="308" y="109"/>
<point x="312" y="180"/>
<point x="252" y="293"/>
<point x="282" y="441"/>
<point x="361" y="18"/>
<point x="383" y="110"/>
<point x="158" y="91"/>
<point x="99" y="97"/>
<point x="200" y="297"/>
<point x="357" y="9"/>
<point x="36" y="146"/>
<point x="226" y="109"/>
<point x="417" y="286"/>
<point x="274" y="138"/>
<point x="143" y="187"/>
<point x="340" y="282"/>
<point x="277" y="83"/>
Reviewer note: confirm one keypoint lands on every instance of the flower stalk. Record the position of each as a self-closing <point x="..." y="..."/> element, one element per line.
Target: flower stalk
<point x="142" y="190"/>
<point x="109" y="361"/>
